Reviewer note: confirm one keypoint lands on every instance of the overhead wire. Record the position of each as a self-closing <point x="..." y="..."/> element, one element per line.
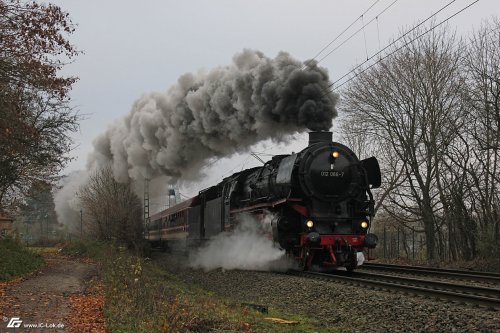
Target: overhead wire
<point x="399" y="48"/>
<point x="215" y="160"/>
<point x="339" y="35"/>
<point x="357" y="31"/>
<point x="378" y="33"/>
<point x="364" y="35"/>
<point x="368" y="59"/>
<point x="263" y="154"/>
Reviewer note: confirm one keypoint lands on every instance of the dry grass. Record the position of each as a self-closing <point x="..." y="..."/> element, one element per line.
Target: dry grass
<point x="141" y="297"/>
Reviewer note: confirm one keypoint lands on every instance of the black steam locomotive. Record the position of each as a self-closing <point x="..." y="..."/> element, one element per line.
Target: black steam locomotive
<point x="318" y="200"/>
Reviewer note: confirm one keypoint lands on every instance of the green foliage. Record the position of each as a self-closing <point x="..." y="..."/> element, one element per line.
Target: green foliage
<point x="39" y="204"/>
<point x="92" y="249"/>
<point x="101" y="250"/>
<point x="16" y="260"/>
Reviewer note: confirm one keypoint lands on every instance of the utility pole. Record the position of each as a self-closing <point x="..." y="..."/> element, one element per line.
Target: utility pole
<point x="385" y="242"/>
<point x="146" y="202"/>
<point x="172" y="198"/>
<point x="413" y="244"/>
<point x="398" y="242"/>
<point x="81" y="223"/>
<point x="27" y="233"/>
<point x="258" y="158"/>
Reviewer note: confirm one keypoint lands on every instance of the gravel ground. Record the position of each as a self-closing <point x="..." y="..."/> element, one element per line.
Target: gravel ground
<point x="338" y="306"/>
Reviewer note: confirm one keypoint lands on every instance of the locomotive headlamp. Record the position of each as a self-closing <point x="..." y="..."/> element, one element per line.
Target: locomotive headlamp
<point x="364" y="224"/>
<point x="310" y="224"/>
<point x="335" y="154"/>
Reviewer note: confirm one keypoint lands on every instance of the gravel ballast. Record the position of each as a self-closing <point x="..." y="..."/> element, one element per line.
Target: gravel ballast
<point x="334" y="305"/>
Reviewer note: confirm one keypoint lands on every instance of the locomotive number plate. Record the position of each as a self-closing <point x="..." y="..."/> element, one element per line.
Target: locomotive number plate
<point x="332" y="174"/>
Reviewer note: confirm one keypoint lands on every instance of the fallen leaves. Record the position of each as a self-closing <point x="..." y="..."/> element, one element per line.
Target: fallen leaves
<point x="87" y="310"/>
<point x="87" y="313"/>
<point x="37" y="297"/>
<point x="3" y="298"/>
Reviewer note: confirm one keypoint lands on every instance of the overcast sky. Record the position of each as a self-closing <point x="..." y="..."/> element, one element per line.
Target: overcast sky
<point x="133" y="47"/>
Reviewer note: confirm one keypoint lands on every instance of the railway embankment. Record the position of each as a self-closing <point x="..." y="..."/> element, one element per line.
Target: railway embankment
<point x="141" y="296"/>
<point x="162" y="293"/>
<point x="338" y="306"/>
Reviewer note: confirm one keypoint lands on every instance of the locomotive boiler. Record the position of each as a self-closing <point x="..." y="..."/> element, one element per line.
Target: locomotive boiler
<point x="318" y="201"/>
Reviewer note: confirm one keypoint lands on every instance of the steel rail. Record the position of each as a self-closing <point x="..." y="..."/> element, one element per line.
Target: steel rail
<point x="436" y="285"/>
<point x="488" y="298"/>
<point x="449" y="273"/>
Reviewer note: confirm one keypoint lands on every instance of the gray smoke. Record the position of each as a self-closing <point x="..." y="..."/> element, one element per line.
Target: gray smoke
<point x="67" y="205"/>
<point x="216" y="114"/>
<point x="248" y="247"/>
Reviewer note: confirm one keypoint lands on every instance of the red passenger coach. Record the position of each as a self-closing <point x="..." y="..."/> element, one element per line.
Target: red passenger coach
<point x="169" y="225"/>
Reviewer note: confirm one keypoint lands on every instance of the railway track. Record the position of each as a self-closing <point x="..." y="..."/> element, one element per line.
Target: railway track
<point x="479" y="296"/>
<point x="435" y="272"/>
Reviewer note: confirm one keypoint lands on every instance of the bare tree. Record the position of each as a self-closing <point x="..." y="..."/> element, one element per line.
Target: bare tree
<point x="482" y="139"/>
<point x="113" y="211"/>
<point x="411" y="103"/>
<point x="358" y="137"/>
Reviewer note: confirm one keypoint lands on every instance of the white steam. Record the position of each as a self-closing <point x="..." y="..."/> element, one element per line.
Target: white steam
<point x="247" y="247"/>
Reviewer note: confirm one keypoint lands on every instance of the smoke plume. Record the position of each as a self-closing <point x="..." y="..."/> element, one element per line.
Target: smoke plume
<point x="216" y="114"/>
<point x="67" y="205"/>
<point x="247" y="248"/>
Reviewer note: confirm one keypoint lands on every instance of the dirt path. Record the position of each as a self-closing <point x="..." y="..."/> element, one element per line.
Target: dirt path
<point x="43" y="300"/>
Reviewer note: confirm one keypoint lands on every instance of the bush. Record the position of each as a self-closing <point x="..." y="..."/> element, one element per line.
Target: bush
<point x="91" y="249"/>
<point x="16" y="260"/>
<point x="113" y="210"/>
<point x="489" y="250"/>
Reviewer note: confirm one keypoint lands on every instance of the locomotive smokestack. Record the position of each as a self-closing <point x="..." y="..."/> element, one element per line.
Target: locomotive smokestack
<point x="316" y="137"/>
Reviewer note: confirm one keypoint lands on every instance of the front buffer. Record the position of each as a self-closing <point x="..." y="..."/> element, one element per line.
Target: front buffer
<point x="332" y="251"/>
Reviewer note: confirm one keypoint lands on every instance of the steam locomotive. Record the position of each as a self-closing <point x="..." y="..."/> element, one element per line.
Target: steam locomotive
<point x="319" y="202"/>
